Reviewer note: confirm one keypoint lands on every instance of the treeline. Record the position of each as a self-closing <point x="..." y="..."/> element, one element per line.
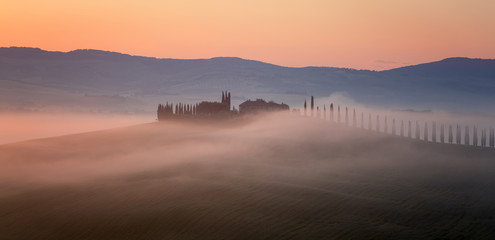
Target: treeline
<point x="431" y="131"/>
<point x="169" y="110"/>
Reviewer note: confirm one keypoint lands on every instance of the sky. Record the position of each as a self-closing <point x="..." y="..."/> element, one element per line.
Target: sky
<point x="376" y="35"/>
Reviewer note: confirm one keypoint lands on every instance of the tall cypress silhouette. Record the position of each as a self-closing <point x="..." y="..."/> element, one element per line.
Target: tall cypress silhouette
<point x="331" y="112"/>
<point x="492" y="137"/>
<point x="434" y="131"/>
<point x="393" y="127"/>
<point x="409" y="135"/>
<point x="475" y="136"/>
<point x="425" y="135"/>
<point x="312" y="106"/>
<point x="417" y="130"/>
<point x="377" y="123"/>
<point x="483" y="138"/>
<point x="346" y="117"/>
<point x="466" y="135"/>
<point x="369" y="121"/>
<point x="354" y="124"/>
<point x="402" y="128"/>
<point x="324" y="112"/>
<point x="385" y="126"/>
<point x="458" y="135"/>
<point x="338" y="114"/>
<point x="442" y="133"/>
<point x="305" y="108"/>
<point x="451" y="137"/>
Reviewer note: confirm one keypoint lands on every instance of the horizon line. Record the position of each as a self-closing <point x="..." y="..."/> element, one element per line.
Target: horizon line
<point x="236" y="57"/>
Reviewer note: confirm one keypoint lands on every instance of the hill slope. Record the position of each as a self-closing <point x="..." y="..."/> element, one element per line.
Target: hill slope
<point x="244" y="180"/>
<point x="85" y="80"/>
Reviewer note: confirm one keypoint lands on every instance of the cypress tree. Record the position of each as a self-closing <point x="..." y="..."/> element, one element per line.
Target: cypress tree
<point x="338" y="114"/>
<point x="354" y="124"/>
<point x="425" y="136"/>
<point x="434" y="132"/>
<point x="409" y="135"/>
<point x="492" y="137"/>
<point x="442" y="133"/>
<point x="402" y="128"/>
<point x="417" y="130"/>
<point x="451" y="137"/>
<point x="458" y="134"/>
<point x="466" y="135"/>
<point x="393" y="126"/>
<point x="369" y="121"/>
<point x="377" y="123"/>
<point x="385" y="125"/>
<point x="475" y="136"/>
<point x="483" y="138"/>
<point x="312" y="106"/>
<point x="305" y="107"/>
<point x="324" y="112"/>
<point x="159" y="112"/>
<point x="346" y="117"/>
<point x="331" y="112"/>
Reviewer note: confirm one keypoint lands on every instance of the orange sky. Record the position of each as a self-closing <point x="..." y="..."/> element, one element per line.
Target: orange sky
<point x="378" y="34"/>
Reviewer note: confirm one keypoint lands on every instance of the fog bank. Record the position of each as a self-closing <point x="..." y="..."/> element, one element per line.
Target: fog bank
<point x="276" y="176"/>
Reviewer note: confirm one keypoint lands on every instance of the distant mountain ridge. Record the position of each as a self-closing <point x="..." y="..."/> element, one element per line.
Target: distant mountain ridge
<point x="94" y="80"/>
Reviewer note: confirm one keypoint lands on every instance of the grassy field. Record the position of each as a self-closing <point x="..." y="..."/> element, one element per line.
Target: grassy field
<point x="274" y="177"/>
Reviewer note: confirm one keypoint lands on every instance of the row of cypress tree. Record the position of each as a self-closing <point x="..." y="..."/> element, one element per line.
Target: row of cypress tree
<point x="471" y="137"/>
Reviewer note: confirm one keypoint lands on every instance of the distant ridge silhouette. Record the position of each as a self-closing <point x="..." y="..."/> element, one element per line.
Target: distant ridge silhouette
<point x="32" y="79"/>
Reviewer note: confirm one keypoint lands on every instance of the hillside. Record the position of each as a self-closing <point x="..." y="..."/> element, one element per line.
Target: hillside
<point x="91" y="80"/>
<point x="244" y="180"/>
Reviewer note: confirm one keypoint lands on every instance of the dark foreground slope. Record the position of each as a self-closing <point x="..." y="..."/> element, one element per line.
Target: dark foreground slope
<point x="274" y="178"/>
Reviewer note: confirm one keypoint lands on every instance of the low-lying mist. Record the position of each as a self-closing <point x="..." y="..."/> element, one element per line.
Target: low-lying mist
<point x="21" y="126"/>
<point x="266" y="176"/>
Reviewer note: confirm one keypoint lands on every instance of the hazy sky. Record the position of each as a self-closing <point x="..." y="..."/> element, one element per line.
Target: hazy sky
<point x="362" y="34"/>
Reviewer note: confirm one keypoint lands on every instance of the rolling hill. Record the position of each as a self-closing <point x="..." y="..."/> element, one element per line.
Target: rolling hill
<point x="249" y="179"/>
<point x="91" y="80"/>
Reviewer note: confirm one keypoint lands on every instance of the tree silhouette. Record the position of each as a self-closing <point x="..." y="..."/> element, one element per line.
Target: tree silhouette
<point x="425" y="135"/>
<point x="354" y="124"/>
<point x="451" y="137"/>
<point x="483" y="138"/>
<point x="312" y="106"/>
<point x="466" y="135"/>
<point x="385" y="129"/>
<point x="305" y="107"/>
<point x="377" y="123"/>
<point x="409" y="135"/>
<point x="475" y="136"/>
<point x="331" y="112"/>
<point x="393" y="126"/>
<point x="346" y="117"/>
<point x="458" y="135"/>
<point x="369" y="121"/>
<point x="324" y="113"/>
<point x="492" y="137"/>
<point x="338" y="114"/>
<point x="417" y="130"/>
<point x="434" y="131"/>
<point x="402" y="128"/>
<point x="442" y="133"/>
